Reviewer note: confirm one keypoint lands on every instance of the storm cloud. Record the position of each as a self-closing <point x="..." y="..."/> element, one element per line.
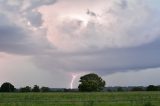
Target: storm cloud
<point x="19" y="27"/>
<point x="118" y="36"/>
<point x="82" y="36"/>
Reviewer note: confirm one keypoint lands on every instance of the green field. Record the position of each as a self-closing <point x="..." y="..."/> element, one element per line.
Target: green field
<point x="81" y="99"/>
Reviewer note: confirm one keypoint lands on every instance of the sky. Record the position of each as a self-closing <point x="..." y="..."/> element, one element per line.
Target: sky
<point x="54" y="42"/>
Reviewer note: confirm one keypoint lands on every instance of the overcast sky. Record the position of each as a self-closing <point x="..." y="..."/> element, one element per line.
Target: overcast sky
<point x="46" y="42"/>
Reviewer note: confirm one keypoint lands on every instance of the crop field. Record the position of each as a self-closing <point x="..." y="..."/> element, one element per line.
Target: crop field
<point x="81" y="99"/>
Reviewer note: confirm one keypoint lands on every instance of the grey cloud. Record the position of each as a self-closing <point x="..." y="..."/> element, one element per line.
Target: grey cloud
<point x="4" y="4"/>
<point x="15" y="36"/>
<point x="24" y="4"/>
<point x="91" y="13"/>
<point x="123" y="4"/>
<point x="38" y="3"/>
<point x="25" y="9"/>
<point x="15" y="39"/>
<point x="35" y="18"/>
<point x="104" y="61"/>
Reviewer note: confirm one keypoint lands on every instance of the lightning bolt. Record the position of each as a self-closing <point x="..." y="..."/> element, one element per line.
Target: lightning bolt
<point x="74" y="76"/>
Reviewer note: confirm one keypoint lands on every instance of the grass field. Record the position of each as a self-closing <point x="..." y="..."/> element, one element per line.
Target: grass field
<point x="81" y="99"/>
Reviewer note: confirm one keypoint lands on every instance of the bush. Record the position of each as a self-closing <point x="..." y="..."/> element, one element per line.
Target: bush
<point x="45" y="89"/>
<point x="148" y="104"/>
<point x="25" y="89"/>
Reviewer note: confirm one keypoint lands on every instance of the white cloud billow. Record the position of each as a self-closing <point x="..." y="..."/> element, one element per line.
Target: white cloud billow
<point x="117" y="24"/>
<point x="105" y="37"/>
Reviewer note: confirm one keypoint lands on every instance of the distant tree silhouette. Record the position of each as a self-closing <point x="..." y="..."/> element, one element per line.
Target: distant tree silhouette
<point x="152" y="88"/>
<point x="25" y="89"/>
<point x="91" y="82"/>
<point x="137" y="89"/>
<point x="36" y="88"/>
<point x="120" y="89"/>
<point x="7" y="87"/>
<point x="45" y="89"/>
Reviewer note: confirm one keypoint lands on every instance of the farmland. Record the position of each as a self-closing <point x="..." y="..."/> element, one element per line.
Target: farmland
<point x="81" y="99"/>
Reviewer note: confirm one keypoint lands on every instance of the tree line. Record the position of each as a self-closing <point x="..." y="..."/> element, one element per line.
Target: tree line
<point x="8" y="87"/>
<point x="88" y="83"/>
<point x="133" y="88"/>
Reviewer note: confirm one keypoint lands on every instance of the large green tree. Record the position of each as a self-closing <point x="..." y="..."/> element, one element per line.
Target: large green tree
<point x="7" y="87"/>
<point x="91" y="82"/>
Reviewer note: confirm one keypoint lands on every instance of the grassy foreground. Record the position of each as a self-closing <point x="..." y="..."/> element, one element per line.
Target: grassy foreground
<point x="81" y="99"/>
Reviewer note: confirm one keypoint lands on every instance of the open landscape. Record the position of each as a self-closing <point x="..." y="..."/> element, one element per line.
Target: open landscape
<point x="79" y="52"/>
<point x="81" y="99"/>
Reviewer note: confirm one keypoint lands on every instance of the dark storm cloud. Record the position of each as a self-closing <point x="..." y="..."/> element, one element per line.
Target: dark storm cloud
<point x="15" y="36"/>
<point x="38" y="3"/>
<point x="15" y="39"/>
<point x="25" y="4"/>
<point x="26" y="9"/>
<point x="104" y="61"/>
<point x="34" y="18"/>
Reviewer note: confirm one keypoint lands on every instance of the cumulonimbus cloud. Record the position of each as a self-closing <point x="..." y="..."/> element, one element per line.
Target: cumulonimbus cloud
<point x="83" y="35"/>
<point x="116" y="24"/>
<point x="121" y="35"/>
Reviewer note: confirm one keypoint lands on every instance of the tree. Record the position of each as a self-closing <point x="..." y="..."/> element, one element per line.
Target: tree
<point x="91" y="82"/>
<point x="137" y="89"/>
<point x="120" y="89"/>
<point x="7" y="87"/>
<point x="25" y="89"/>
<point x="152" y="88"/>
<point x="45" y="89"/>
<point x="36" y="88"/>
